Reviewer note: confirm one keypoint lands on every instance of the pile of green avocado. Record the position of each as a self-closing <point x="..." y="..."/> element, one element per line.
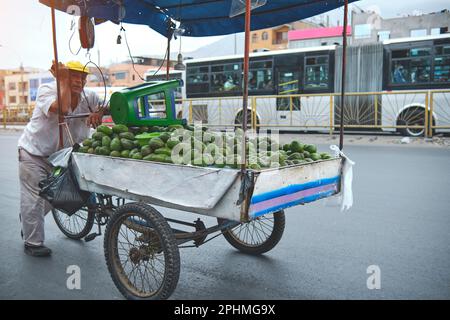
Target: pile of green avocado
<point x="196" y="146"/>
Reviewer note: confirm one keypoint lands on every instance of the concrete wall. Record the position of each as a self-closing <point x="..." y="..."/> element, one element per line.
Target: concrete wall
<point x="316" y="42"/>
<point x="398" y="27"/>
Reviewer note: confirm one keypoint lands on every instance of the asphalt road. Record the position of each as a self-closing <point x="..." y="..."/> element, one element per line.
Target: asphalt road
<point x="400" y="222"/>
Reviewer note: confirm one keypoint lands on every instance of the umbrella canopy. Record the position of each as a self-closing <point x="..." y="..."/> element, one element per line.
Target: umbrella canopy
<point x="198" y="17"/>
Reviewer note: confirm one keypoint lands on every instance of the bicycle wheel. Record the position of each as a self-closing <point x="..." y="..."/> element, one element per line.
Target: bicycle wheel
<point x="76" y="226"/>
<point x="141" y="253"/>
<point x="257" y="236"/>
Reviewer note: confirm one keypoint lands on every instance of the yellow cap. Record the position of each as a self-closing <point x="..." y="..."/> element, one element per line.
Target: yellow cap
<point x="77" y="66"/>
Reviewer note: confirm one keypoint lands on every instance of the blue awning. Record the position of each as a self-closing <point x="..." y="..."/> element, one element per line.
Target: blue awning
<point x="198" y="17"/>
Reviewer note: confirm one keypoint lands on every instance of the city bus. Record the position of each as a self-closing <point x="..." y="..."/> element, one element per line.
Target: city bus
<point x="388" y="85"/>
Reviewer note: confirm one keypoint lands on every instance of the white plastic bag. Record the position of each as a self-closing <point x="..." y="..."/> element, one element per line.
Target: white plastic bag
<point x="61" y="158"/>
<point x="346" y="195"/>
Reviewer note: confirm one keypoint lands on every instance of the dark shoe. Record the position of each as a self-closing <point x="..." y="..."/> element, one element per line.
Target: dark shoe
<point x="37" y="251"/>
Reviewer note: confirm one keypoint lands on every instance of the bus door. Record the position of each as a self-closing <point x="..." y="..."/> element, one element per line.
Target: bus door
<point x="287" y="85"/>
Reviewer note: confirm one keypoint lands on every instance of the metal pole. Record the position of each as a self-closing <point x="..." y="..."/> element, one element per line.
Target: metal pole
<point x="168" y="56"/>
<point x="245" y="98"/>
<point x="344" y="53"/>
<point x="58" y="87"/>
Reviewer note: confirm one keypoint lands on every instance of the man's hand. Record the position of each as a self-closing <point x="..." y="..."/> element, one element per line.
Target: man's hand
<point x="95" y="119"/>
<point x="63" y="73"/>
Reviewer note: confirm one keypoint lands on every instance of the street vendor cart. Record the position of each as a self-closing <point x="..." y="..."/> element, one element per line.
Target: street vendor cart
<point x="141" y="245"/>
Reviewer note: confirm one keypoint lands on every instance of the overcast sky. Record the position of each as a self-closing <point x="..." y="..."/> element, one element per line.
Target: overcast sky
<point x="25" y="33"/>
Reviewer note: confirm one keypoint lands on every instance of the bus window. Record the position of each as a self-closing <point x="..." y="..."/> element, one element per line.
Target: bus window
<point x="288" y="85"/>
<point x="260" y="76"/>
<point x="411" y="66"/>
<point x="316" y="72"/>
<point x="197" y="80"/>
<point x="226" y="78"/>
<point x="441" y="71"/>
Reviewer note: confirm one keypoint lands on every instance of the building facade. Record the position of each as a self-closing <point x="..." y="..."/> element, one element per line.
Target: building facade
<point x="369" y="27"/>
<point x="275" y="38"/>
<point x="317" y="37"/>
<point x="125" y="74"/>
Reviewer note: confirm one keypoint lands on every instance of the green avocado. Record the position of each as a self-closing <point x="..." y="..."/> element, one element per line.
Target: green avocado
<point x="296" y="147"/>
<point x="311" y="148"/>
<point x="87" y="143"/>
<point x="104" y="151"/>
<point x="106" y="141"/>
<point x="98" y="136"/>
<point x="125" y="154"/>
<point x="146" y="150"/>
<point x="165" y="137"/>
<point x="105" y="130"/>
<point x="83" y="149"/>
<point x="120" y="128"/>
<point x="126" y="135"/>
<point x="127" y="144"/>
<point x="166" y="151"/>
<point x="172" y="142"/>
<point x="137" y="156"/>
<point x="116" y="145"/>
<point x="315" y="156"/>
<point x="156" y="143"/>
<point x="115" y="154"/>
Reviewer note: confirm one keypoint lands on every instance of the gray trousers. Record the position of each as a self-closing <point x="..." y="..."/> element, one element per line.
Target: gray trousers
<point x="32" y="169"/>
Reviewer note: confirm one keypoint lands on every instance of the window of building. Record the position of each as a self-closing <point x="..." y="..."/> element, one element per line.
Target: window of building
<point x="23" y="99"/>
<point x="363" y="31"/>
<point x="254" y="38"/>
<point x="265" y="35"/>
<point x="12" y="99"/>
<point x="260" y="76"/>
<point x="316" y="72"/>
<point x="133" y="77"/>
<point x="24" y="86"/>
<point x="281" y="37"/>
<point x="438" y="31"/>
<point x="226" y="77"/>
<point x="383" y="35"/>
<point x="120" y="75"/>
<point x="410" y="66"/>
<point x="12" y="86"/>
<point x="441" y="71"/>
<point x="418" y="32"/>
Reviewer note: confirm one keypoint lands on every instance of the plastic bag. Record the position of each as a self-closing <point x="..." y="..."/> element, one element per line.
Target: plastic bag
<point x="346" y="196"/>
<point x="61" y="158"/>
<point x="238" y="6"/>
<point x="61" y="190"/>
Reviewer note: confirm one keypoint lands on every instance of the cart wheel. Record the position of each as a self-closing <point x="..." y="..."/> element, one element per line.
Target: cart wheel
<point x="257" y="236"/>
<point x="76" y="226"/>
<point x="141" y="253"/>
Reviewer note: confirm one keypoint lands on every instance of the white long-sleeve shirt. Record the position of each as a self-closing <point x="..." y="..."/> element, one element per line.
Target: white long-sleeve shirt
<point x="41" y="135"/>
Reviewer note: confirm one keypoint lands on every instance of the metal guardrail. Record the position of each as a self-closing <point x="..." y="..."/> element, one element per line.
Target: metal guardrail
<point x="411" y="111"/>
<point x="418" y="112"/>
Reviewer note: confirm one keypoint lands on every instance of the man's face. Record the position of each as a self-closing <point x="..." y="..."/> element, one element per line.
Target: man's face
<point x="77" y="81"/>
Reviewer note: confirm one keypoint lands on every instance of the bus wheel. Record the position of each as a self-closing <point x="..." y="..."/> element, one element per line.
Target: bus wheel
<point x="412" y="117"/>
<point x="240" y="119"/>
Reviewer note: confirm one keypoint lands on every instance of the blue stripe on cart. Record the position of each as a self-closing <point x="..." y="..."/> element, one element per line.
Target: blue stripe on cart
<point x="292" y="195"/>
